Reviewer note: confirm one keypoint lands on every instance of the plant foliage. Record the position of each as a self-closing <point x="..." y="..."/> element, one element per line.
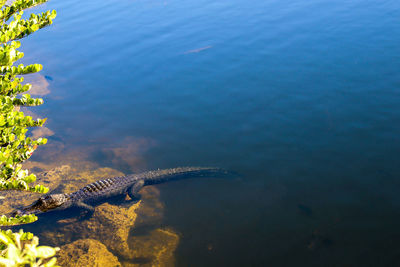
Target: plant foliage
<point x="15" y="146"/>
<point x="19" y="249"/>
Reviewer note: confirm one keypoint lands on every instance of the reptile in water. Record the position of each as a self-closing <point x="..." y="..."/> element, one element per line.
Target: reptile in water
<point x="93" y="194"/>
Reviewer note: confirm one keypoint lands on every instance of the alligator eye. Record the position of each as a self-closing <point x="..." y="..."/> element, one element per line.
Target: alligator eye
<point x="15" y="213"/>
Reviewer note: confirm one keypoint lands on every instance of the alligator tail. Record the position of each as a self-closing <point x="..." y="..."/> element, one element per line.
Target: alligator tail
<point x="161" y="176"/>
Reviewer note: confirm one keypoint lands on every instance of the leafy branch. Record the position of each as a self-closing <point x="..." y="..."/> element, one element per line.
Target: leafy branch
<point x="15" y="146"/>
<point x="19" y="249"/>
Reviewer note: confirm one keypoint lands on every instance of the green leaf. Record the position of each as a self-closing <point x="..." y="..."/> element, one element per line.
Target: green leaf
<point x="5" y="239"/>
<point x="7" y="262"/>
<point x="12" y="252"/>
<point x="45" y="252"/>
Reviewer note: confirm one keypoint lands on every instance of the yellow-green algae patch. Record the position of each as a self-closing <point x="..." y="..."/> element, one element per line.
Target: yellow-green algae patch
<point x="154" y="249"/>
<point x="86" y="252"/>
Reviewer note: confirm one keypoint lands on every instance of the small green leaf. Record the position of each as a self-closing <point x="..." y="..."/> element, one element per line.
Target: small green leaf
<point x="7" y="262"/>
<point x="45" y="252"/>
<point x="5" y="239"/>
<point x="12" y="252"/>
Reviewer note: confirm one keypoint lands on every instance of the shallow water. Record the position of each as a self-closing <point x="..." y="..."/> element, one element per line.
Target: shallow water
<point x="299" y="97"/>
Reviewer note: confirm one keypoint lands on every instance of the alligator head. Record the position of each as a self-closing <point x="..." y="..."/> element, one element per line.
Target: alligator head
<point x="43" y="204"/>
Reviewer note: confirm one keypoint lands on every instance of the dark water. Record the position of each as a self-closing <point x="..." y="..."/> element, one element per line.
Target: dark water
<point x="300" y="97"/>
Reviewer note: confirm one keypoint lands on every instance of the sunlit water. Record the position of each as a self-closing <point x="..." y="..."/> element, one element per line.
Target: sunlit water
<point x="299" y="97"/>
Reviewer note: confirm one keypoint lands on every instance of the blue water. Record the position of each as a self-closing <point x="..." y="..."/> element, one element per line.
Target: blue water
<point x="300" y="97"/>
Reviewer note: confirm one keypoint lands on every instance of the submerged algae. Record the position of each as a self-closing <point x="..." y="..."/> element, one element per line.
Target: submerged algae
<point x="86" y="252"/>
<point x="155" y="248"/>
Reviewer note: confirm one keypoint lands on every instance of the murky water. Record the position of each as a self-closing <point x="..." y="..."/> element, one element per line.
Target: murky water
<point x="300" y="97"/>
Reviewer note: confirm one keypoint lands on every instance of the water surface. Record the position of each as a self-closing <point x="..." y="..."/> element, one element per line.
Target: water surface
<point x="300" y="97"/>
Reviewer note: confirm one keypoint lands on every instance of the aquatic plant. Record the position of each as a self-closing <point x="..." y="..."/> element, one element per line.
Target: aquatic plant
<point x="19" y="249"/>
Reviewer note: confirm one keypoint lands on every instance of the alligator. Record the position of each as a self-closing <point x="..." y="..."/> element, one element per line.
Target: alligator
<point x="95" y="193"/>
